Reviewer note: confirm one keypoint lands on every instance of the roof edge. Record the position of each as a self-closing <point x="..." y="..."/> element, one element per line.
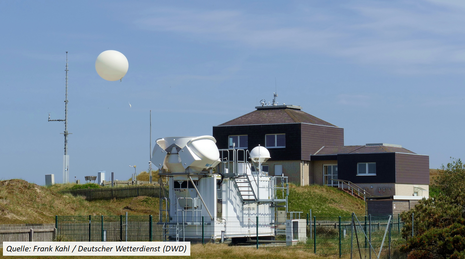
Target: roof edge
<point x="284" y="106"/>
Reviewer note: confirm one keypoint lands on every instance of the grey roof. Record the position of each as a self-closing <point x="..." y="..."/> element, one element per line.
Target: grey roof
<point x="276" y="116"/>
<point x="363" y="149"/>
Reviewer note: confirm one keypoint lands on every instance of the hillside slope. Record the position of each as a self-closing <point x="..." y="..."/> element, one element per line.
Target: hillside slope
<point x="324" y="201"/>
<point x="23" y="202"/>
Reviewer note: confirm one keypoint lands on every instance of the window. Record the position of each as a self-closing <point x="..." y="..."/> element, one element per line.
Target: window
<point x="275" y="140"/>
<point x="239" y="141"/>
<point x="366" y="169"/>
<point x="329" y="175"/>
<point x="265" y="168"/>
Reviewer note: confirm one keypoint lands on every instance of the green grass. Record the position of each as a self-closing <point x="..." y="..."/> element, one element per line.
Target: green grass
<point x="324" y="201"/>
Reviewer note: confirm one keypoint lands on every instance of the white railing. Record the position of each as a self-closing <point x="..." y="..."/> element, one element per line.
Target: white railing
<point x="351" y="187"/>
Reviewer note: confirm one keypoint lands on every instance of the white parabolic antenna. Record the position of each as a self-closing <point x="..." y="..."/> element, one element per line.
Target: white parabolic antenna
<point x="111" y="65"/>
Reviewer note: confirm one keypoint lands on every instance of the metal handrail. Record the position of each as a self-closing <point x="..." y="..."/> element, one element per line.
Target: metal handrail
<point x="351" y="187"/>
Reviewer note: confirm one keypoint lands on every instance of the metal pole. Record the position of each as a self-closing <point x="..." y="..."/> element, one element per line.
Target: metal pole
<point x="65" y="133"/>
<point x="369" y="235"/>
<point x="352" y="235"/>
<point x="90" y="220"/>
<point x="390" y="227"/>
<point x="101" y="229"/>
<point x="257" y="232"/>
<point x="200" y="196"/>
<point x="398" y="223"/>
<point x="203" y="231"/>
<point x="314" y="234"/>
<point x="365" y="227"/>
<point x="340" y="238"/>
<point x="150" y="227"/>
<point x="310" y="223"/>
<point x="126" y="227"/>
<point x="120" y="227"/>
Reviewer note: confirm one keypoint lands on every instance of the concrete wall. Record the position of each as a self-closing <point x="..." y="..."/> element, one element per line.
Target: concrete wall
<point x="410" y="189"/>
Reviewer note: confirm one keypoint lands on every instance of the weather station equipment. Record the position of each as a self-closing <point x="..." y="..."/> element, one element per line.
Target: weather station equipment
<point x="214" y="193"/>
<point x="65" y="133"/>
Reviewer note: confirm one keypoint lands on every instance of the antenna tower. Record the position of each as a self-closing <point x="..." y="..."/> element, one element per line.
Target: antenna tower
<point x="65" y="133"/>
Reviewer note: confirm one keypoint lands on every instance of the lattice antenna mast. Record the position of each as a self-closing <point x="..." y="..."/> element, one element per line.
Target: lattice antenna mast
<point x="65" y="133"/>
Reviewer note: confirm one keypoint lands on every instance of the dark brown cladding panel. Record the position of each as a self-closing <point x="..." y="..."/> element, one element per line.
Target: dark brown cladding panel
<point x="412" y="169"/>
<point x="314" y="137"/>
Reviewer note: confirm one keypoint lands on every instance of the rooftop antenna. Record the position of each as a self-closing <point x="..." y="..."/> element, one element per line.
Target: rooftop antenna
<point x="65" y="133"/>
<point x="275" y="103"/>
<point x="275" y="94"/>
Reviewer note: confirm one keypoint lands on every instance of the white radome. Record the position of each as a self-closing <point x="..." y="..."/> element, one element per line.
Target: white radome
<point x="111" y="65"/>
<point x="260" y="154"/>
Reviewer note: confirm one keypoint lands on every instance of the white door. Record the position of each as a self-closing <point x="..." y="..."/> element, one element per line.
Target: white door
<point x="278" y="170"/>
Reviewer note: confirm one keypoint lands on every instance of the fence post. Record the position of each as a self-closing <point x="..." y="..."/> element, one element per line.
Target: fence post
<point x="365" y="228"/>
<point x="413" y="223"/>
<point x="398" y="223"/>
<point x="390" y="227"/>
<point x="90" y="230"/>
<point x="340" y="238"/>
<point x="101" y="223"/>
<point x="126" y="227"/>
<point x="121" y="228"/>
<point x="257" y="231"/>
<point x="352" y="226"/>
<point x="56" y="227"/>
<point x="31" y="235"/>
<point x="150" y="227"/>
<point x="314" y="234"/>
<point x="310" y="218"/>
<point x="203" y="231"/>
<point x="369" y="235"/>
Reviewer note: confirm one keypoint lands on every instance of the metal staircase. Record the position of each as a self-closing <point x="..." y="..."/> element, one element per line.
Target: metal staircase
<point x="245" y="188"/>
<point x="247" y="181"/>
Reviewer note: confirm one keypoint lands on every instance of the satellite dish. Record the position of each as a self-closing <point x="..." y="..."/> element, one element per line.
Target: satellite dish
<point x="111" y="65"/>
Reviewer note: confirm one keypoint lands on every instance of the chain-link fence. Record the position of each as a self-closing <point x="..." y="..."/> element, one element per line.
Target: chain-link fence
<point x="108" y="228"/>
<point x="361" y="237"/>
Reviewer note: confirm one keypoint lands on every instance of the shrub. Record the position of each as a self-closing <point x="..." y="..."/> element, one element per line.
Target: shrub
<point x="85" y="186"/>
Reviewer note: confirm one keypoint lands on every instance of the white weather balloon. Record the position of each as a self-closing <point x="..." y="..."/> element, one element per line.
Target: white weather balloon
<point x="111" y="65"/>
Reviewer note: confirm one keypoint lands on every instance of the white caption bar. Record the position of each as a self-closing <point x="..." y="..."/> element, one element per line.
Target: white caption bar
<point x="96" y="248"/>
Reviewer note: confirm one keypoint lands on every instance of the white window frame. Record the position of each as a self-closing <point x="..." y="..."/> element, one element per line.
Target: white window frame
<point x="275" y="140"/>
<point x="334" y="167"/>
<point x="367" y="172"/>
<point x="239" y="144"/>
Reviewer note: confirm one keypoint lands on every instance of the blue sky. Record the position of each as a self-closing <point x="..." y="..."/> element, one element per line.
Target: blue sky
<point x="385" y="71"/>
